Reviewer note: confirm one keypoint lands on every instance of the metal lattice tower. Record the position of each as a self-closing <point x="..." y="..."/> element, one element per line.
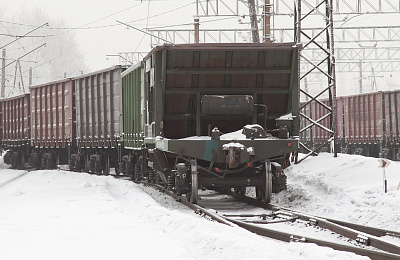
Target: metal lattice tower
<point x="326" y="66"/>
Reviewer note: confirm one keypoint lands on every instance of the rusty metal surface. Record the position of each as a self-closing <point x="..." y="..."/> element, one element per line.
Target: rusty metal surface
<point x="53" y="114"/>
<point x="98" y="99"/>
<point x="392" y="116"/>
<point x="363" y="118"/>
<point x="340" y="119"/>
<point x="360" y="119"/>
<point x="15" y="121"/>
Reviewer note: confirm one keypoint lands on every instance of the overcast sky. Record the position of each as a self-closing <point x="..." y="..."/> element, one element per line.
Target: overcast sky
<point x="97" y="31"/>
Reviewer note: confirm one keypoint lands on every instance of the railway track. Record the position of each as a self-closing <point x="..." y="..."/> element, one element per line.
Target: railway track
<point x="359" y="239"/>
<point x="13" y="179"/>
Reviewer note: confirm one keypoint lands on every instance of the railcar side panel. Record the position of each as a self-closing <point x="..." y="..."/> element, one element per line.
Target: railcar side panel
<point x="363" y="118"/>
<point x="340" y="134"/>
<point x="133" y="100"/>
<point x="98" y="98"/>
<point x="391" y="116"/>
<point x="53" y="114"/>
<point x="15" y="121"/>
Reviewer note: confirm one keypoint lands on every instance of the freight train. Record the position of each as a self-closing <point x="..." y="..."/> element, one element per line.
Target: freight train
<point x="190" y="116"/>
<point x="367" y="124"/>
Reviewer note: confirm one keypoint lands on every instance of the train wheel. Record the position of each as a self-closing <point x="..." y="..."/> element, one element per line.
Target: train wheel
<point x="44" y="163"/>
<point x="106" y="169"/>
<point x="117" y="171"/>
<point x="87" y="163"/>
<point x="266" y="190"/>
<point x="193" y="195"/>
<point x="131" y="174"/>
<point x="21" y="162"/>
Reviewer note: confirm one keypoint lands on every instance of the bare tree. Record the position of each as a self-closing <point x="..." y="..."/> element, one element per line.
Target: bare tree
<point x="61" y="57"/>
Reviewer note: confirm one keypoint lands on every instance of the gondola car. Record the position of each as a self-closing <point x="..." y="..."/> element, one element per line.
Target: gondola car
<point x="215" y="116"/>
<point x="366" y="124"/>
<point x="15" y="129"/>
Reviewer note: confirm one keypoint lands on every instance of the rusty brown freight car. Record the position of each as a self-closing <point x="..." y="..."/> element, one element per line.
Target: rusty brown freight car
<point x="366" y="124"/>
<point x="363" y="127"/>
<point x="99" y="113"/>
<point x="52" y="117"/>
<point x="16" y="129"/>
<point x="391" y="125"/>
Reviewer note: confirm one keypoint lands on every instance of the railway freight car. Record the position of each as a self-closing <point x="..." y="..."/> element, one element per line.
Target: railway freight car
<point x="98" y="100"/>
<point x="391" y="125"/>
<point x="363" y="124"/>
<point x="367" y="124"/>
<point x="15" y="129"/>
<point x="52" y="123"/>
<point x="217" y="116"/>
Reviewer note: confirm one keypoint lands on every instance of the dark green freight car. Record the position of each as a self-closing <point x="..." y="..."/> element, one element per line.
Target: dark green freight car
<point x="214" y="116"/>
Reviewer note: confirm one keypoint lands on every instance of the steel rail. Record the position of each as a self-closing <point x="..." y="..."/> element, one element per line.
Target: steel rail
<point x="347" y="230"/>
<point x="391" y="249"/>
<point x="289" y="237"/>
<point x="2" y="185"/>
<point x="362" y="234"/>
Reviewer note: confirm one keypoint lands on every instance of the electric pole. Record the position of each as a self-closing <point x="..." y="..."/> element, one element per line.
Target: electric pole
<point x="196" y="30"/>
<point x="267" y="21"/>
<point x="3" y="74"/>
<point x="254" y="22"/>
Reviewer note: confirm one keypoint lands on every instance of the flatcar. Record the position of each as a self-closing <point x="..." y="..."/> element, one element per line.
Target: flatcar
<point x="216" y="116"/>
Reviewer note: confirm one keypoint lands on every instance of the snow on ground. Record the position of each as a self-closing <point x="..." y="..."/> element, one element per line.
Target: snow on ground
<point x="64" y="215"/>
<point x="349" y="187"/>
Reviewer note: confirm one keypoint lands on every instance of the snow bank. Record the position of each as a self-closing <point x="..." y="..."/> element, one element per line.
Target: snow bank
<point x="349" y="187"/>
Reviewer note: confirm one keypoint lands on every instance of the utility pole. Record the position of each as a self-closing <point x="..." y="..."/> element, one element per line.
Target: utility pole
<point x="3" y="74"/>
<point x="196" y="30"/>
<point x="267" y="21"/>
<point x="360" y="80"/>
<point x="30" y="76"/>
<point x="254" y="22"/>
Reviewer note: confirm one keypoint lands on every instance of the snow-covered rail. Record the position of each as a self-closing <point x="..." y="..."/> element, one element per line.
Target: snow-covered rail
<point x="364" y="240"/>
<point x="7" y="182"/>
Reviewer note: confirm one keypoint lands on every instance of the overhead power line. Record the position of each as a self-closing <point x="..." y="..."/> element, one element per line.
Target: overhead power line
<point x="24" y="35"/>
<point x="143" y="31"/>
